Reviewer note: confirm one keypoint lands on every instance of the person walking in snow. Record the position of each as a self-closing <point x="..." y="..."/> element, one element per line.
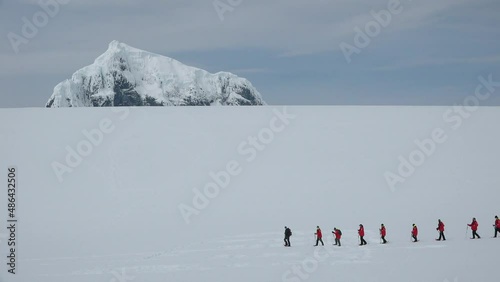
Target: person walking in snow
<point x="383" y="232"/>
<point x="288" y="233"/>
<point x="338" y="234"/>
<point x="497" y="225"/>
<point x="414" y="233"/>
<point x="319" y="236"/>
<point x="361" y="233"/>
<point x="474" y="226"/>
<point x="440" y="228"/>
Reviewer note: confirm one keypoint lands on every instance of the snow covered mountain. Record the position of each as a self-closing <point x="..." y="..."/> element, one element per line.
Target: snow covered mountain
<point x="126" y="76"/>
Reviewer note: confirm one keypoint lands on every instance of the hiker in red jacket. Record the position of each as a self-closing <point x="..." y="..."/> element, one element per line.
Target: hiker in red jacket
<point x="319" y="236"/>
<point x="474" y="226"/>
<point x="383" y="233"/>
<point x="440" y="228"/>
<point x="338" y="234"/>
<point x="414" y="233"/>
<point x="361" y="232"/>
<point x="497" y="225"/>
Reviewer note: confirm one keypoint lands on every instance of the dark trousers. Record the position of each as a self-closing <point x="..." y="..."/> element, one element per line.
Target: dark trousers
<point x="319" y="240"/>
<point x="474" y="234"/>
<point x="363" y="242"/>
<point x="383" y="239"/>
<point x="441" y="235"/>
<point x="287" y="241"/>
<point x="414" y="238"/>
<point x="497" y="230"/>
<point x="337" y="242"/>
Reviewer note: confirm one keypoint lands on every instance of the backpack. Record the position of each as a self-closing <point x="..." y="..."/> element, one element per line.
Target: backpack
<point x="340" y="232"/>
<point x="290" y="232"/>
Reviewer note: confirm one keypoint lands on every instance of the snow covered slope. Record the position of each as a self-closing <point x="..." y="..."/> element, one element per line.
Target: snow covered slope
<point x="203" y="193"/>
<point x="126" y="76"/>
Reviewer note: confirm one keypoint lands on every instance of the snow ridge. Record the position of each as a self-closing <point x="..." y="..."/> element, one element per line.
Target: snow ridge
<point x="126" y="76"/>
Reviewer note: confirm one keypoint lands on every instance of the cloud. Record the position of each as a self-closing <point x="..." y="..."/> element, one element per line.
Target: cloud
<point x="86" y="2"/>
<point x="424" y="62"/>
<point x="250" y="70"/>
<point x="291" y="27"/>
<point x="288" y="28"/>
<point x="47" y="62"/>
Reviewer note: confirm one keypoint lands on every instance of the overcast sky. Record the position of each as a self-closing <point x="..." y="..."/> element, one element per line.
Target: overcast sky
<point x="425" y="52"/>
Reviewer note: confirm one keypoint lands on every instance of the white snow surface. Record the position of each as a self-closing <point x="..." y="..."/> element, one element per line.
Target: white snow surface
<point x="115" y="216"/>
<point x="151" y="76"/>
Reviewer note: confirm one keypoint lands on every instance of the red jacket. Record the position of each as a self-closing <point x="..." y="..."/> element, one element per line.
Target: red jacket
<point x="414" y="232"/>
<point x="441" y="226"/>
<point x="497" y="223"/>
<point x="382" y="231"/>
<point x="361" y="231"/>
<point x="337" y="234"/>
<point x="319" y="234"/>
<point x="474" y="225"/>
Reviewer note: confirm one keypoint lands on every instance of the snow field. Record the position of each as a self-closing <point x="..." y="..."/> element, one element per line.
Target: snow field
<point x="116" y="215"/>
